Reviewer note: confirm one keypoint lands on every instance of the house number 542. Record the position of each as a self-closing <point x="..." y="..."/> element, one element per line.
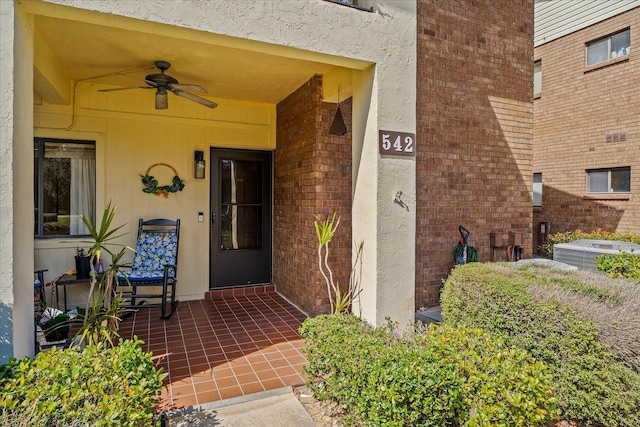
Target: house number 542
<point x="397" y="143"/>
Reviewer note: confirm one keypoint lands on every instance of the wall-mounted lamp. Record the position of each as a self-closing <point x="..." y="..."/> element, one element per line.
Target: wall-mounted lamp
<point x="199" y="165"/>
<point x="398" y="200"/>
<point x="338" y="127"/>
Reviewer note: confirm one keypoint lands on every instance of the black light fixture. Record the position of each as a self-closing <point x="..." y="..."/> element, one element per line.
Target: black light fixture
<point x="199" y="165"/>
<point x="338" y="127"/>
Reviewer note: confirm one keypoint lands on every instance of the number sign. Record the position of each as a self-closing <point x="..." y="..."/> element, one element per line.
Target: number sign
<point x="397" y="143"/>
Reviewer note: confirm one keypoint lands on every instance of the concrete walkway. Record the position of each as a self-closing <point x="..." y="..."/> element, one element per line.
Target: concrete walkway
<point x="278" y="407"/>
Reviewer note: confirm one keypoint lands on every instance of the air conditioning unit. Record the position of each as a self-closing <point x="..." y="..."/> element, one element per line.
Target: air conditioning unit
<point x="583" y="253"/>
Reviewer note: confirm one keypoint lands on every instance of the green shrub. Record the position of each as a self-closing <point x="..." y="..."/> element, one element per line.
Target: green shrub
<point x="622" y="265"/>
<point x="567" y="320"/>
<point x="94" y="386"/>
<point x="597" y="234"/>
<point x="445" y="376"/>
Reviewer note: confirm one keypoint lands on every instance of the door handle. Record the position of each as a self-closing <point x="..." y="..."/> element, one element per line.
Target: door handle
<point x="213" y="217"/>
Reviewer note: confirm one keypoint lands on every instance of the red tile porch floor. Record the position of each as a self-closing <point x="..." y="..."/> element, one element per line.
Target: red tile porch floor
<point x="232" y="343"/>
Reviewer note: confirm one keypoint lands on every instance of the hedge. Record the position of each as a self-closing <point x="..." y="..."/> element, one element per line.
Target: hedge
<point x="94" y="386"/>
<point x="444" y="376"/>
<point x="622" y="265"/>
<point x="584" y="326"/>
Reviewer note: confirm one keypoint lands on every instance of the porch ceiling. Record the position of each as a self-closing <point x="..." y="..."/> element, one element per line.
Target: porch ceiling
<point x="72" y="46"/>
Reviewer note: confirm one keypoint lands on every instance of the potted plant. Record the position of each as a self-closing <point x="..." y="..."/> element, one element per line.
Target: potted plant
<point x="83" y="264"/>
<point x="102" y="314"/>
<point x="56" y="328"/>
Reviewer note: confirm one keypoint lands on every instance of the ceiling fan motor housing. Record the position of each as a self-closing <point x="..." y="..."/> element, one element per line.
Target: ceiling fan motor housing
<point x="161" y="80"/>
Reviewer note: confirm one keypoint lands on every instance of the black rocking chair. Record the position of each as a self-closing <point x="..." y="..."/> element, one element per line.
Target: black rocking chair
<point x="154" y="265"/>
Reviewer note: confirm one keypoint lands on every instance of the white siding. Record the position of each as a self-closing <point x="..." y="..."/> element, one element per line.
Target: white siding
<point x="557" y="18"/>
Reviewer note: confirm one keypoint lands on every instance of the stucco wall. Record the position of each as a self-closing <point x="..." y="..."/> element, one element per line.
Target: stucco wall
<point x="6" y="176"/>
<point x="16" y="184"/>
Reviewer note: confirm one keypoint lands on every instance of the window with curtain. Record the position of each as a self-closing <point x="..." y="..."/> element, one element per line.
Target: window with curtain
<point x="64" y="186"/>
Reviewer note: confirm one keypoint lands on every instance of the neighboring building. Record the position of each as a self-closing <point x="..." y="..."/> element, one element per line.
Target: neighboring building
<point x="436" y="97"/>
<point x="586" y="156"/>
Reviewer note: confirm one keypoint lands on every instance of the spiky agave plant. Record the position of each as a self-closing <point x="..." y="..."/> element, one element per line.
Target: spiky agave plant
<point x="325" y="231"/>
<point x="103" y="311"/>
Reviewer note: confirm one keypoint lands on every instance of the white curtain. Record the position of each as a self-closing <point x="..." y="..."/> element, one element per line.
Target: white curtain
<point x="82" y="197"/>
<point x="234" y="207"/>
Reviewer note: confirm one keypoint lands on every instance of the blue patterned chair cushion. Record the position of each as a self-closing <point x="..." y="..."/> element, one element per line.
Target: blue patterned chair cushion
<point x="153" y="252"/>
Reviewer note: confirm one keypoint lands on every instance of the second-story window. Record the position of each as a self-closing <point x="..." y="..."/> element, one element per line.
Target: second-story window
<point x="610" y="47"/>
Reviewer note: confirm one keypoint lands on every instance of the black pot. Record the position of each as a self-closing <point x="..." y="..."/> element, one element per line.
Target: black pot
<point x="83" y="267"/>
<point x="57" y="329"/>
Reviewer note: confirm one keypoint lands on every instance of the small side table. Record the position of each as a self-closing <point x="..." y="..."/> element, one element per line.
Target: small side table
<point x="64" y="281"/>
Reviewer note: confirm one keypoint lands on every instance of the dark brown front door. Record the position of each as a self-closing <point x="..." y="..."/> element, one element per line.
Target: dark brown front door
<point x="240" y="217"/>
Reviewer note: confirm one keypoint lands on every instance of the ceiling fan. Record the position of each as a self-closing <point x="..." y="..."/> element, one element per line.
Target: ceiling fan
<point x="164" y="83"/>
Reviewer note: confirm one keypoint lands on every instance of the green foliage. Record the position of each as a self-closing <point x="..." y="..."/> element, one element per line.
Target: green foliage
<point x="103" y="311"/>
<point x="339" y="300"/>
<point x="325" y="230"/>
<point x="622" y="265"/>
<point x="96" y="386"/>
<point x="444" y="376"/>
<point x="100" y="321"/>
<point x="597" y="234"/>
<point x="57" y="328"/>
<point x="535" y="309"/>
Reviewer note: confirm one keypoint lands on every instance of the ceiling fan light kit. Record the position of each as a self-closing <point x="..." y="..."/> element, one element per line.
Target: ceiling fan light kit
<point x="162" y="102"/>
<point x="164" y="83"/>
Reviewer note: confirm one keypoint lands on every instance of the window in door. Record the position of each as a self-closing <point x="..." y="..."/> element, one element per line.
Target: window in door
<point x="241" y="204"/>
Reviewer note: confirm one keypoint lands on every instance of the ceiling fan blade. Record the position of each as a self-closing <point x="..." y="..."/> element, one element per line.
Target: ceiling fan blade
<point x="151" y="83"/>
<point x="187" y="87"/>
<point x="124" y="88"/>
<point x="195" y="98"/>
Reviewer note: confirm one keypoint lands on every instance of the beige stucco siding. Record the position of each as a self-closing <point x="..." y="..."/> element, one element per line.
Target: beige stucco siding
<point x="16" y="183"/>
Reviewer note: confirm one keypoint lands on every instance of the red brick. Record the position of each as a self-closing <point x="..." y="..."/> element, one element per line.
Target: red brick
<point x="312" y="178"/>
<point x="474" y="139"/>
<point x="576" y="111"/>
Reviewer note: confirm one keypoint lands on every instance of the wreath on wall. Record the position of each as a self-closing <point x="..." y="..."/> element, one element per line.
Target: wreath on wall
<point x="151" y="183"/>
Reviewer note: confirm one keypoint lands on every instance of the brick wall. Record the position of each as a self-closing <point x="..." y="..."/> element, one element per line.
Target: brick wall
<point x="578" y="107"/>
<point x="474" y="110"/>
<point x="312" y="177"/>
